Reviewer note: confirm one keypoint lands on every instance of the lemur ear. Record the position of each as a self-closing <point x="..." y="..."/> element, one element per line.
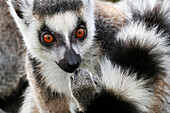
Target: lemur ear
<point x="17" y="7"/>
<point x="20" y="8"/>
<point x="21" y="11"/>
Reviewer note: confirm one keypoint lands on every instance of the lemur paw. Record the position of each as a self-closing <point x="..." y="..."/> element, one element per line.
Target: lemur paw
<point x="84" y="86"/>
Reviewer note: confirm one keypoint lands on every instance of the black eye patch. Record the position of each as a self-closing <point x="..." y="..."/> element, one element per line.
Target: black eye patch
<point x="48" y="37"/>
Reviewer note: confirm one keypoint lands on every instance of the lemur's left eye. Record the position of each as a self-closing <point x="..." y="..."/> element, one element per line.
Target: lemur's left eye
<point x="81" y="32"/>
<point x="47" y="39"/>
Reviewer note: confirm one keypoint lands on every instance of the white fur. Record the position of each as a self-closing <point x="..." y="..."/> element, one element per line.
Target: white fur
<point x="126" y="85"/>
<point x="144" y="5"/>
<point x="124" y="8"/>
<point x="58" y="53"/>
<point x="63" y="23"/>
<point x="27" y="107"/>
<point x="18" y="20"/>
<point x="56" y="78"/>
<point x="146" y="38"/>
<point x="87" y="13"/>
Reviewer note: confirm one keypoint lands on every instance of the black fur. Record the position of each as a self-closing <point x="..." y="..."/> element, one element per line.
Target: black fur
<point x="96" y="98"/>
<point x="36" y="70"/>
<point x="105" y="29"/>
<point x="130" y="56"/>
<point x="134" y="58"/>
<point x="50" y="7"/>
<point x="106" y="102"/>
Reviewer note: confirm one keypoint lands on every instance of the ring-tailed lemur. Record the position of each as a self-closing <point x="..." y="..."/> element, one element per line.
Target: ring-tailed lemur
<point x="131" y="59"/>
<point x="58" y="35"/>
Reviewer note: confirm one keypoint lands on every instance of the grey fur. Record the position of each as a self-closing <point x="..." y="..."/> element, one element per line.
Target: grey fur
<point x="10" y="53"/>
<point x="11" y="63"/>
<point x="85" y="86"/>
<point x="50" y="7"/>
<point x="1" y="111"/>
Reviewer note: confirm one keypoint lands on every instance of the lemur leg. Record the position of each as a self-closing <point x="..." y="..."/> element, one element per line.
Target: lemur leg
<point x="94" y="97"/>
<point x="85" y="87"/>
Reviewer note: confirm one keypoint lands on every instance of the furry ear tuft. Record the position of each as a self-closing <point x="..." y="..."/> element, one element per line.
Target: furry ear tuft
<point x="20" y="8"/>
<point x="17" y="7"/>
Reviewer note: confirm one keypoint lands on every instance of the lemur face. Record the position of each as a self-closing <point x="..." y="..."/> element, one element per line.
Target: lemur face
<point x="56" y="30"/>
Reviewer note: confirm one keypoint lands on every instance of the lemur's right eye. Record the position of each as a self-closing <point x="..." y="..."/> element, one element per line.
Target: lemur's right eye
<point x="47" y="39"/>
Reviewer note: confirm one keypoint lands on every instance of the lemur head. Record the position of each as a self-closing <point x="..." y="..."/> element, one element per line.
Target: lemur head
<point x="55" y="30"/>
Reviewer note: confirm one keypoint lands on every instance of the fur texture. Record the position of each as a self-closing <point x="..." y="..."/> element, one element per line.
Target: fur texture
<point x="11" y="61"/>
<point x="9" y="51"/>
<point x="127" y="56"/>
<point x="134" y="61"/>
<point x="41" y="62"/>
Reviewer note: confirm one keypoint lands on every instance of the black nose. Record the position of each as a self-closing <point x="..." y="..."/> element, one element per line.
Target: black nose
<point x="70" y="62"/>
<point x="73" y="63"/>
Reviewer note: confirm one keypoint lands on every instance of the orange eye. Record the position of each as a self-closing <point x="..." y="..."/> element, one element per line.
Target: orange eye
<point x="80" y="33"/>
<point x="47" y="39"/>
